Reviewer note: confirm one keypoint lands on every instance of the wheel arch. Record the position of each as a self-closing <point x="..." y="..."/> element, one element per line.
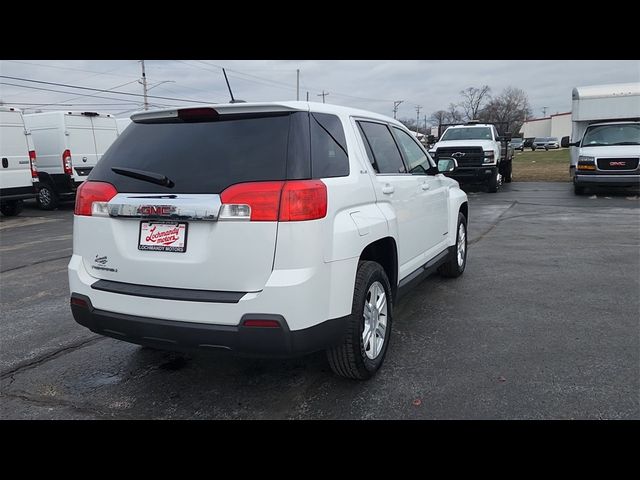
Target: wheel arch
<point x="385" y="252"/>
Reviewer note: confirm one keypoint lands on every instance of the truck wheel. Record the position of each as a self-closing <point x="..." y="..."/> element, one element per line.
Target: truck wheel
<point x="578" y="190"/>
<point x="457" y="260"/>
<point x="12" y="208"/>
<point x="47" y="197"/>
<point x="533" y="149"/>
<point x="495" y="181"/>
<point x="365" y="343"/>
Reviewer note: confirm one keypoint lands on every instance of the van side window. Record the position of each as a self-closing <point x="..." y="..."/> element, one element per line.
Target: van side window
<point x="329" y="156"/>
<point x="383" y="148"/>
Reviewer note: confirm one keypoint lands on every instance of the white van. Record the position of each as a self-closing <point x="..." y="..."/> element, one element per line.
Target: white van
<point x="605" y="136"/>
<point x="18" y="174"/>
<point x="69" y="144"/>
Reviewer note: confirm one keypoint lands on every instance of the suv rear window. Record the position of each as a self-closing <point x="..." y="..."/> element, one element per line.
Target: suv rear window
<point x="207" y="157"/>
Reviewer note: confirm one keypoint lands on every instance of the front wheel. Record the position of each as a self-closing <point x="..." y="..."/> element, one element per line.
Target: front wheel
<point x="12" y="208"/>
<point x="365" y="344"/>
<point x="507" y="171"/>
<point x="457" y="260"/>
<point x="495" y="181"/>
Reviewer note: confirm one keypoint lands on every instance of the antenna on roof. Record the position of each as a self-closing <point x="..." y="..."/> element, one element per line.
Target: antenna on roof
<point x="233" y="100"/>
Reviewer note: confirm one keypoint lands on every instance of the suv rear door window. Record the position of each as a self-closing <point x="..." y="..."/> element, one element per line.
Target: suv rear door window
<point x="201" y="157"/>
<point x="328" y="147"/>
<point x="386" y="156"/>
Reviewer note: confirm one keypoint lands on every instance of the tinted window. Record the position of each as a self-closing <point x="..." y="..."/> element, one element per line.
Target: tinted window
<point x="468" y="133"/>
<point x="200" y="157"/>
<point x="328" y="147"/>
<point x="415" y="158"/>
<point x="386" y="156"/>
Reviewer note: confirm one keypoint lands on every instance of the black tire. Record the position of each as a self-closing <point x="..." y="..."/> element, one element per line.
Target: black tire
<point x="47" y="197"/>
<point x="578" y="190"/>
<point x="451" y="268"/>
<point x="12" y="208"/>
<point x="494" y="184"/>
<point x="533" y="149"/>
<point x="507" y="172"/>
<point x="349" y="358"/>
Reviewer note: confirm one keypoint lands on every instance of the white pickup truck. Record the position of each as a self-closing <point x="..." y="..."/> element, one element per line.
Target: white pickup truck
<point x="481" y="154"/>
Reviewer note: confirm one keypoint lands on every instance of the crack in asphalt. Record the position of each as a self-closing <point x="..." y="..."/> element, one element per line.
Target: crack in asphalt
<point x="58" y="402"/>
<point x="34" y="263"/>
<point x="493" y="225"/>
<point x="49" y="356"/>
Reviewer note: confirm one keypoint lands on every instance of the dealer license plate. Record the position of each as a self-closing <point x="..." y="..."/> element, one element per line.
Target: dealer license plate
<point x="163" y="236"/>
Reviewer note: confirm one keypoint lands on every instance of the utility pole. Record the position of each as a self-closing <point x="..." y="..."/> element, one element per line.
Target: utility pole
<point x="307" y="96"/>
<point x="323" y="94"/>
<point x="297" y="84"/>
<point x="395" y="107"/>
<point x="544" y="111"/>
<point x="425" y="124"/>
<point x="418" y="107"/>
<point x="144" y="86"/>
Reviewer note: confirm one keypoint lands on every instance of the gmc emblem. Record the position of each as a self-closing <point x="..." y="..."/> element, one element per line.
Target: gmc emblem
<point x="617" y="164"/>
<point x="156" y="210"/>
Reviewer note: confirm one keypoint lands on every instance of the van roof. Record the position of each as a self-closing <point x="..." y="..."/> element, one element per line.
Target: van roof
<point x="609" y="90"/>
<point x="256" y="107"/>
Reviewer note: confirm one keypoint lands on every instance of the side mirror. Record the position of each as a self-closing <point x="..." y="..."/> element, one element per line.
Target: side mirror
<point x="564" y="142"/>
<point x="431" y="139"/>
<point x="447" y="165"/>
<point x="504" y="138"/>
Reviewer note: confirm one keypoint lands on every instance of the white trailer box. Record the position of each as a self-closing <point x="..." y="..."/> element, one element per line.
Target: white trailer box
<point x="69" y="144"/>
<point x="605" y="136"/>
<point x="18" y="173"/>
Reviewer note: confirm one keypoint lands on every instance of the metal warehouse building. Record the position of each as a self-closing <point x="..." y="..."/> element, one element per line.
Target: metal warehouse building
<point x="558" y="125"/>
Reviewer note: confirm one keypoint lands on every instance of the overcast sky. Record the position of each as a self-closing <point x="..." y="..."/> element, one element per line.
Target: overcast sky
<point x="367" y="84"/>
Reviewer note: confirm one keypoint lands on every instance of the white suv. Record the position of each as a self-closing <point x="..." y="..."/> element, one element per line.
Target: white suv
<point x="270" y="229"/>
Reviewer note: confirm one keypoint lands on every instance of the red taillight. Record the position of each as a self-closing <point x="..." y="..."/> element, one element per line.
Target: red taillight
<point x="66" y="162"/>
<point x="262" y="197"/>
<point x="290" y="201"/>
<point x="261" y="323"/>
<point x="90" y="192"/>
<point x="32" y="162"/>
<point x="303" y="200"/>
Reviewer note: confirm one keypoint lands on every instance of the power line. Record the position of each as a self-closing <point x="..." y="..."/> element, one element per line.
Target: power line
<point x="82" y="96"/>
<point x="107" y="72"/>
<point x="99" y="89"/>
<point x="58" y="91"/>
<point x="323" y="94"/>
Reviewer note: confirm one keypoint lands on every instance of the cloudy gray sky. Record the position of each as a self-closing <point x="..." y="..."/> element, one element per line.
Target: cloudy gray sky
<point x="367" y="84"/>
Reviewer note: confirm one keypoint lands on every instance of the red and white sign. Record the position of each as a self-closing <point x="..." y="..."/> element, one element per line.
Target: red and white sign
<point x="163" y="236"/>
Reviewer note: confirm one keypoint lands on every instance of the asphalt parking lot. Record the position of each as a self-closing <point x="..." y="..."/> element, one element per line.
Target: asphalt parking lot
<point x="544" y="324"/>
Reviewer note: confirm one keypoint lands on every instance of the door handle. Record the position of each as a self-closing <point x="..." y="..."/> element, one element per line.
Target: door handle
<point x="425" y="186"/>
<point x="388" y="189"/>
<point x="5" y="163"/>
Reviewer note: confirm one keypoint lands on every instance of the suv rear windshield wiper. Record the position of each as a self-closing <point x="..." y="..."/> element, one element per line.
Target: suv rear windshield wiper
<point x="145" y="176"/>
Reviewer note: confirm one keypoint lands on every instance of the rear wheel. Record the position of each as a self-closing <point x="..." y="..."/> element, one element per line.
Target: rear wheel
<point x="457" y="261"/>
<point x="507" y="171"/>
<point x="12" y="208"/>
<point x="47" y="197"/>
<point x="365" y="344"/>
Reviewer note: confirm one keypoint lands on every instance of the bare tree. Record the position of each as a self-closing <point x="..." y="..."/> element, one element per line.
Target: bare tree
<point x="473" y="99"/>
<point x="454" y="114"/>
<point x="439" y="117"/>
<point x="511" y="106"/>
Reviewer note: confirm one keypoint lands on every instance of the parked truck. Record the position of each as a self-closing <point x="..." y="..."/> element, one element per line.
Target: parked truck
<point x="482" y="154"/>
<point x="605" y="150"/>
<point x="69" y="144"/>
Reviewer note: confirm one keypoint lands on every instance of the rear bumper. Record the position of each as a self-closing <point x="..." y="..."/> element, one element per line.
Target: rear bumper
<point x="188" y="336"/>
<point x="608" y="180"/>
